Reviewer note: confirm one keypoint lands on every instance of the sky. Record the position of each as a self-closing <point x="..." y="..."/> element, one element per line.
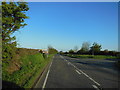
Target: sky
<point x="67" y="0"/>
<point x="65" y="25"/>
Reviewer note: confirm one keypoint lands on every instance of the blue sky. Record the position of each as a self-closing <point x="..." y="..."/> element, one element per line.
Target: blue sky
<point x="65" y="25"/>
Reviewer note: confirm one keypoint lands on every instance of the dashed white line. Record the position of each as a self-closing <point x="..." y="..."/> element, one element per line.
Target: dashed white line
<point x="77" y="71"/>
<point x="46" y="77"/>
<point x="89" y="77"/>
<point x="95" y="87"/>
<point x="83" y="73"/>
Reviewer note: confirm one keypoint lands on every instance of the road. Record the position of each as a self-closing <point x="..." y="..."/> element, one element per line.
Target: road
<point x="66" y="72"/>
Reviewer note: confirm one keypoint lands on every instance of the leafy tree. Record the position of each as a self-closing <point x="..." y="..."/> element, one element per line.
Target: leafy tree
<point x="75" y="48"/>
<point x="61" y="52"/>
<point x="95" y="49"/>
<point x="52" y="50"/>
<point x="65" y="52"/>
<point x="13" y="15"/>
<point x="106" y="52"/>
<point x="71" y="51"/>
<point x="81" y="51"/>
<point x="85" y="48"/>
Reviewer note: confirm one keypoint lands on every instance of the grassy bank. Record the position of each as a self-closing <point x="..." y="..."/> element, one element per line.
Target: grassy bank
<point x="92" y="56"/>
<point x="28" y="68"/>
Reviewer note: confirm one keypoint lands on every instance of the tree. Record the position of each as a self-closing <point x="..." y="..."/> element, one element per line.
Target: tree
<point x="61" y="52"/>
<point x="81" y="51"/>
<point x="71" y="51"/>
<point x="105" y="52"/>
<point x="75" y="48"/>
<point x="52" y="50"/>
<point x="85" y="48"/>
<point x="13" y="15"/>
<point x="95" y="49"/>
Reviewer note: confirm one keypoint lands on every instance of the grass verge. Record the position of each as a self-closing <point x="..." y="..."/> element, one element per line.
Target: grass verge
<point x="30" y="68"/>
<point x="92" y="56"/>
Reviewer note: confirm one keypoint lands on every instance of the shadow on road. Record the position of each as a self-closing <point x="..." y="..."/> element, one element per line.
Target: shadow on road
<point x="113" y="59"/>
<point x="102" y="63"/>
<point x="110" y="65"/>
<point x="106" y="67"/>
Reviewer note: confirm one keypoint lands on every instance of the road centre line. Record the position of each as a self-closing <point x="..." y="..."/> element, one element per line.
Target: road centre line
<point x="82" y="72"/>
<point x="86" y="75"/>
<point x="89" y="77"/>
<point x="47" y="75"/>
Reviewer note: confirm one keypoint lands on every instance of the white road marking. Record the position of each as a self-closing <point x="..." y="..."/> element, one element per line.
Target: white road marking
<point x="45" y="80"/>
<point x="83" y="73"/>
<point x="77" y="71"/>
<point x="68" y="63"/>
<point x="46" y="76"/>
<point x="95" y="87"/>
<point x="61" y="56"/>
<point x="89" y="77"/>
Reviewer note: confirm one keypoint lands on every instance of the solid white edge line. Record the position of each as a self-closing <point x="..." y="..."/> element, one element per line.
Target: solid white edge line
<point x="46" y="76"/>
<point x="95" y="87"/>
<point x="68" y="63"/>
<point x="45" y="80"/>
<point x="77" y="71"/>
<point x="83" y="73"/>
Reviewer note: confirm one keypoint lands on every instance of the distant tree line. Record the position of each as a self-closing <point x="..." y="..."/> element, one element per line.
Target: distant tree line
<point x="95" y="49"/>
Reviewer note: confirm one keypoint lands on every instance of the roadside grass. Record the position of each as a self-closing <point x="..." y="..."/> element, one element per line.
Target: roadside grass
<point x="30" y="68"/>
<point x="35" y="75"/>
<point x="92" y="56"/>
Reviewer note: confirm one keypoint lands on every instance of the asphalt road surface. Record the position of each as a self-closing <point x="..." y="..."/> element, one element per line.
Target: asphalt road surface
<point x="66" y="72"/>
